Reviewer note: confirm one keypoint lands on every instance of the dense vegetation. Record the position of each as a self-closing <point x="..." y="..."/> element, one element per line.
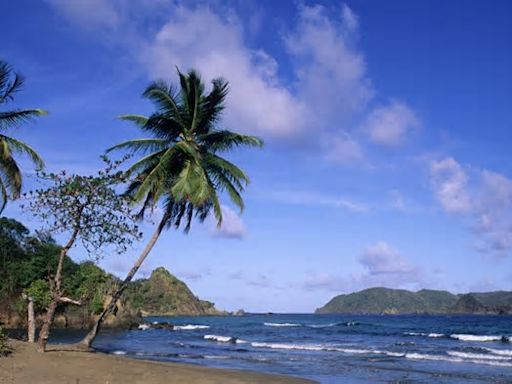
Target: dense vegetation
<point x="28" y="261"/>
<point x="397" y="301"/>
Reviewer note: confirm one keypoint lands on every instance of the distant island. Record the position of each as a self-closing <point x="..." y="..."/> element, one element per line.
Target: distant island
<point x="426" y="301"/>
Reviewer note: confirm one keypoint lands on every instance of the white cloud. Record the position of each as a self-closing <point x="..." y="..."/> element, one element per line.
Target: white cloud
<point x="381" y="258"/>
<point x="384" y="266"/>
<point x="390" y="125"/>
<point x="483" y="197"/>
<point x="329" y="92"/>
<point x="213" y="45"/>
<point x="232" y="226"/>
<point x="330" y="71"/>
<point x="343" y="149"/>
<point x="493" y="213"/>
<point x="449" y="182"/>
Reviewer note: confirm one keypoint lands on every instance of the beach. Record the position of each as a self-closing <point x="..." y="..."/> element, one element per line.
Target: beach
<point x="26" y="365"/>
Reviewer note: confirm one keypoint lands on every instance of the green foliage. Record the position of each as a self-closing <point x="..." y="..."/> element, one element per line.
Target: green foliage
<point x="10" y="173"/>
<point x="5" y="349"/>
<point x="385" y="300"/>
<point x="39" y="290"/>
<point x="24" y="258"/>
<point x="86" y="208"/>
<point x="181" y="164"/>
<point x="28" y="262"/>
<point x="29" y="269"/>
<point x="164" y="294"/>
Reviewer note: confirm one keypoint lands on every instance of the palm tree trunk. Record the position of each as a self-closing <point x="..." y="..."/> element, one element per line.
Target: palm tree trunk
<point x="44" y="333"/>
<point x="87" y="341"/>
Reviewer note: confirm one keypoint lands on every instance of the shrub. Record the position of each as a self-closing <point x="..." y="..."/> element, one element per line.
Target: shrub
<point x="5" y="348"/>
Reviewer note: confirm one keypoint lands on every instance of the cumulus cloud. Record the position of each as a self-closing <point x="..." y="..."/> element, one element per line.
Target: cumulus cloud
<point x="493" y="213"/>
<point x="232" y="226"/>
<point x="384" y="266"/>
<point x="449" y="182"/>
<point x="330" y="70"/>
<point x="390" y="125"/>
<point x="381" y="258"/>
<point x="483" y="197"/>
<point x="202" y="39"/>
<point x="329" y="91"/>
<point x="344" y="149"/>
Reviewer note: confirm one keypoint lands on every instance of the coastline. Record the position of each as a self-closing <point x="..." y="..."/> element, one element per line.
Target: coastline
<point x="26" y="365"/>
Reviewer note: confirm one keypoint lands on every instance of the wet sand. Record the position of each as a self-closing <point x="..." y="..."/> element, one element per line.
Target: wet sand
<point x="26" y="366"/>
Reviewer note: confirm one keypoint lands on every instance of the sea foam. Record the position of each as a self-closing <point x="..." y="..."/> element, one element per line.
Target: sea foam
<point x="282" y="324"/>
<point x="465" y="337"/>
<point x="190" y="327"/>
<point x="224" y="339"/>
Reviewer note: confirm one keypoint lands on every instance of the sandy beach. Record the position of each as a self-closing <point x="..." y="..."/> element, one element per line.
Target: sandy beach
<point x="25" y="365"/>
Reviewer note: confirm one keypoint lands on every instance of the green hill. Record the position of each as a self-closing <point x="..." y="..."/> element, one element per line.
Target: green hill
<point x="164" y="294"/>
<point x="400" y="301"/>
<point x="27" y="261"/>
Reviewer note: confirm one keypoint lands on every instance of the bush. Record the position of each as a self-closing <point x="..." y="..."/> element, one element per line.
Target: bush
<point x="39" y="290"/>
<point x="5" y="349"/>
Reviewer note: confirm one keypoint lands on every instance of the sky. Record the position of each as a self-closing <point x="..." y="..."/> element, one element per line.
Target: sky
<point x="387" y="127"/>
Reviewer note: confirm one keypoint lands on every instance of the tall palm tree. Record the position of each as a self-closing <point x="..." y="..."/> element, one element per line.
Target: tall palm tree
<point x="181" y="167"/>
<point x="10" y="173"/>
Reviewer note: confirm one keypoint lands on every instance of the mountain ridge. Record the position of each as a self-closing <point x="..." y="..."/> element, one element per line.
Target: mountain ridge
<point x="380" y="300"/>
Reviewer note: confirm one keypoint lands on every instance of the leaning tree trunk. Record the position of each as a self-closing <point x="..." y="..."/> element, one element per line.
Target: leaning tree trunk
<point x="87" y="341"/>
<point x="56" y="293"/>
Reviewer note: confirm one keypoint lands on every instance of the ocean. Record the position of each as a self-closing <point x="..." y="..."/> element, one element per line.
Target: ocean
<point x="329" y="348"/>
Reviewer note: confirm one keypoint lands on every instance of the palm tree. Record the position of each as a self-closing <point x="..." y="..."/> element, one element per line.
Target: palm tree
<point x="181" y="168"/>
<point x="10" y="173"/>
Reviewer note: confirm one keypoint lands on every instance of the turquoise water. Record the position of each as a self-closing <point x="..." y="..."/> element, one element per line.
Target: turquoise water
<point x="331" y="348"/>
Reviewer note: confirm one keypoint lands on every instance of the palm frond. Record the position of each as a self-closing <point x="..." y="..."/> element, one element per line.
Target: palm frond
<point x="212" y="106"/>
<point x="18" y="146"/>
<point x="225" y="140"/>
<point x="10" y="82"/>
<point x="3" y="196"/>
<point x="139" y="120"/>
<point x="226" y="166"/>
<point x="165" y="99"/>
<point x="10" y="170"/>
<point x="141" y="145"/>
<point x="13" y="118"/>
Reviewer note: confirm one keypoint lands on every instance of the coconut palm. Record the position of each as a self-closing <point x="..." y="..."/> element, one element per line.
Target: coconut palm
<point x="10" y="173"/>
<point x="181" y="168"/>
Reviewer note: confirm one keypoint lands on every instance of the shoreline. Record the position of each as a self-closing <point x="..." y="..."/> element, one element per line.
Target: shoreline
<point x="26" y="365"/>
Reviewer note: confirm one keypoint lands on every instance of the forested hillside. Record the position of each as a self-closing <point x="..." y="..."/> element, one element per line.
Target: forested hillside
<point x="28" y="260"/>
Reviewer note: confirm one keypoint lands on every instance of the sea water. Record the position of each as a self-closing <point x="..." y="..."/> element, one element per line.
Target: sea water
<point x="330" y="348"/>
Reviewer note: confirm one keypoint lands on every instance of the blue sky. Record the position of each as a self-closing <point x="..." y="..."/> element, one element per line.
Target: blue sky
<point x="386" y="123"/>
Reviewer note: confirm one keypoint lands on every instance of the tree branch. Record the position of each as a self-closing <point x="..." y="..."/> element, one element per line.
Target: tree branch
<point x="67" y="300"/>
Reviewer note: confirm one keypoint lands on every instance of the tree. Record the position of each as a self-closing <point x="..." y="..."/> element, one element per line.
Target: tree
<point x="181" y="169"/>
<point x="85" y="208"/>
<point x="10" y="173"/>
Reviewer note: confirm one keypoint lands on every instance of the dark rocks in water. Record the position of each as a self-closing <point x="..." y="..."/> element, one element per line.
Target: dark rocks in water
<point x="154" y="325"/>
<point x="240" y="312"/>
<point x="162" y="326"/>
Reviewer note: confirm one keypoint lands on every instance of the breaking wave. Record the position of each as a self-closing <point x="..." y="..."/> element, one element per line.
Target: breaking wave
<point x="190" y="327"/>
